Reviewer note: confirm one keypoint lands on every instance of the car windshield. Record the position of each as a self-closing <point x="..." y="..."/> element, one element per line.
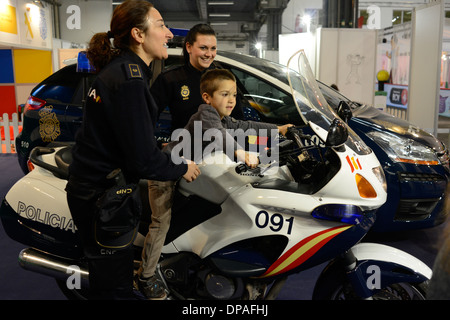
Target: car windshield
<point x="312" y="106"/>
<point x="308" y="95"/>
<point x="273" y="69"/>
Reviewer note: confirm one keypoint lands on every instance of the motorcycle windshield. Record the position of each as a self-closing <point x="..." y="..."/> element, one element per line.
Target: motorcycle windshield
<point x="310" y="102"/>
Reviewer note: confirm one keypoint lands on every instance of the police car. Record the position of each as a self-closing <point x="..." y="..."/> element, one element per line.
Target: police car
<point x="415" y="163"/>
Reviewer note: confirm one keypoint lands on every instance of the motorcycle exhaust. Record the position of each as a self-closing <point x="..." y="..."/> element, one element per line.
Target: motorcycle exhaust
<point x="61" y="269"/>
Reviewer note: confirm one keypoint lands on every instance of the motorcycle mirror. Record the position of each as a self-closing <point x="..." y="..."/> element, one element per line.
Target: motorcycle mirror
<point x="337" y="134"/>
<point x="344" y="111"/>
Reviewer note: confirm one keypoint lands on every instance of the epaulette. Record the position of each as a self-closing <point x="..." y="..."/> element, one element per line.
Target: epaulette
<point x="133" y="71"/>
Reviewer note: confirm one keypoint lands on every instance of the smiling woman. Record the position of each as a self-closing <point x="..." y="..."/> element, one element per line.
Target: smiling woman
<point x="154" y="42"/>
<point x="179" y="87"/>
<point x="117" y="106"/>
<point x="200" y="47"/>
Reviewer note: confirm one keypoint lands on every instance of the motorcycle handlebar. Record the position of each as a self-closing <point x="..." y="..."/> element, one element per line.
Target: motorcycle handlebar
<point x="284" y="150"/>
<point x="242" y="167"/>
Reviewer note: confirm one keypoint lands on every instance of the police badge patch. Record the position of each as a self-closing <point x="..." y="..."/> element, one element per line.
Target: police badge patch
<point x="49" y="128"/>
<point x="133" y="71"/>
<point x="185" y="92"/>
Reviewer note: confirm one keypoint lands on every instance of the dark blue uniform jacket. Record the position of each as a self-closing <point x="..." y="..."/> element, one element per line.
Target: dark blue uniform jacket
<point x="118" y="127"/>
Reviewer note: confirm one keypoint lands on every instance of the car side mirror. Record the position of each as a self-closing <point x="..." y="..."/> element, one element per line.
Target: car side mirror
<point x="344" y="111"/>
<point x="337" y="134"/>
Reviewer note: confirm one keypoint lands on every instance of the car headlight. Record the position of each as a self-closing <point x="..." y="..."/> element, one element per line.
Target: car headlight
<point x="379" y="173"/>
<point x="401" y="149"/>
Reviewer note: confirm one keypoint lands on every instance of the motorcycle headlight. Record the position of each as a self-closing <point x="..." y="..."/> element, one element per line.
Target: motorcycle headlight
<point x="405" y="150"/>
<point x="339" y="212"/>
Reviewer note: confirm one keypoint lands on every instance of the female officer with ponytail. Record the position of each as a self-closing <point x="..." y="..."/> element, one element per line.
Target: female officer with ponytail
<point x="118" y="132"/>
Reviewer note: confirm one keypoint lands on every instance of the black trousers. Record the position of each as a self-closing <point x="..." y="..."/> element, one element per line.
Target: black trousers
<point x="110" y="271"/>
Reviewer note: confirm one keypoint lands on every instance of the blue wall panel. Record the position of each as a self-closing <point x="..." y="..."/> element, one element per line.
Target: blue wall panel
<point x="6" y="66"/>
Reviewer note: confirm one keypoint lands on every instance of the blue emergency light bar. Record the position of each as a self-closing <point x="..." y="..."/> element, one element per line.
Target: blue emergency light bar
<point x="179" y="32"/>
<point x="83" y="64"/>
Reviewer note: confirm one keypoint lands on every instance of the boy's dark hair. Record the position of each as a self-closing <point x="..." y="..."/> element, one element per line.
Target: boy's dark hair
<point x="209" y="81"/>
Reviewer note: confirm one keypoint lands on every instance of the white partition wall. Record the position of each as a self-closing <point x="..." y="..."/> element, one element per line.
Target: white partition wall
<point x="347" y="57"/>
<point x="426" y="51"/>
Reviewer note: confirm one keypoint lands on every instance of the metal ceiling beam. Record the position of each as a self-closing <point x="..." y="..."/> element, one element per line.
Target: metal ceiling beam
<point x="202" y="9"/>
<point x="185" y="16"/>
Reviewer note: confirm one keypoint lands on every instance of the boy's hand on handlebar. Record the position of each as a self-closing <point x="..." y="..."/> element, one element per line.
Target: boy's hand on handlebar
<point x="250" y="159"/>
<point x="283" y="129"/>
<point x="192" y="172"/>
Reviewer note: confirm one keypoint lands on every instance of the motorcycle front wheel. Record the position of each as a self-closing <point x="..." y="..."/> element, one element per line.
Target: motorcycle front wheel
<point x="334" y="285"/>
<point x="396" y="291"/>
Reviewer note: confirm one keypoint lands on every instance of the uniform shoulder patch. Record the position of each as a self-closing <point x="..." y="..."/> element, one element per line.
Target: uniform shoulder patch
<point x="133" y="71"/>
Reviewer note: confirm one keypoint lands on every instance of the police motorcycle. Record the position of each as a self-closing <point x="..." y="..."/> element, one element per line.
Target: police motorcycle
<point x="238" y="233"/>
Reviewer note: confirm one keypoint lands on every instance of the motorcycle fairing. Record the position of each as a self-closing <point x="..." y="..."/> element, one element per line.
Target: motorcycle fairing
<point x="320" y="247"/>
<point x="252" y="258"/>
<point x="188" y="212"/>
<point x="238" y="221"/>
<point x="302" y="251"/>
<point x="249" y="257"/>
<point x="39" y="235"/>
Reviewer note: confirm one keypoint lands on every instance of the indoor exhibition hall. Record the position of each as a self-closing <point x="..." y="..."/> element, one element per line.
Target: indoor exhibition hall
<point x="225" y="152"/>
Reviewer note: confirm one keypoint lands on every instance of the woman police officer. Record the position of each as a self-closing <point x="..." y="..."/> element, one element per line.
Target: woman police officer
<point x="178" y="88"/>
<point x="118" y="132"/>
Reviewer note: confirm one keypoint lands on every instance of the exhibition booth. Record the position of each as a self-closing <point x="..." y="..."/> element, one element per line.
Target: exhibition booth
<point x="352" y="58"/>
<point x="340" y="190"/>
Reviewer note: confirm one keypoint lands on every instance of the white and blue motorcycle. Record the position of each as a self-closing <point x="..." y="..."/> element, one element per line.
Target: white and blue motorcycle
<point x="238" y="233"/>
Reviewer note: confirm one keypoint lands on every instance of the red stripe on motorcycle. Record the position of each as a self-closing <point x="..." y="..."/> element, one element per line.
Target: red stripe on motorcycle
<point x="350" y="163"/>
<point x="359" y="164"/>
<point x="302" y="251"/>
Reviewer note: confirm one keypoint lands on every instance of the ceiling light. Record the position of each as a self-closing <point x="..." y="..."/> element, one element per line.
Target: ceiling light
<point x="219" y="15"/>
<point x="306" y="19"/>
<point x="221" y="3"/>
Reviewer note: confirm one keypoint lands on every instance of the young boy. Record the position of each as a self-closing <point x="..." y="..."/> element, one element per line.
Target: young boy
<point x="218" y="88"/>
